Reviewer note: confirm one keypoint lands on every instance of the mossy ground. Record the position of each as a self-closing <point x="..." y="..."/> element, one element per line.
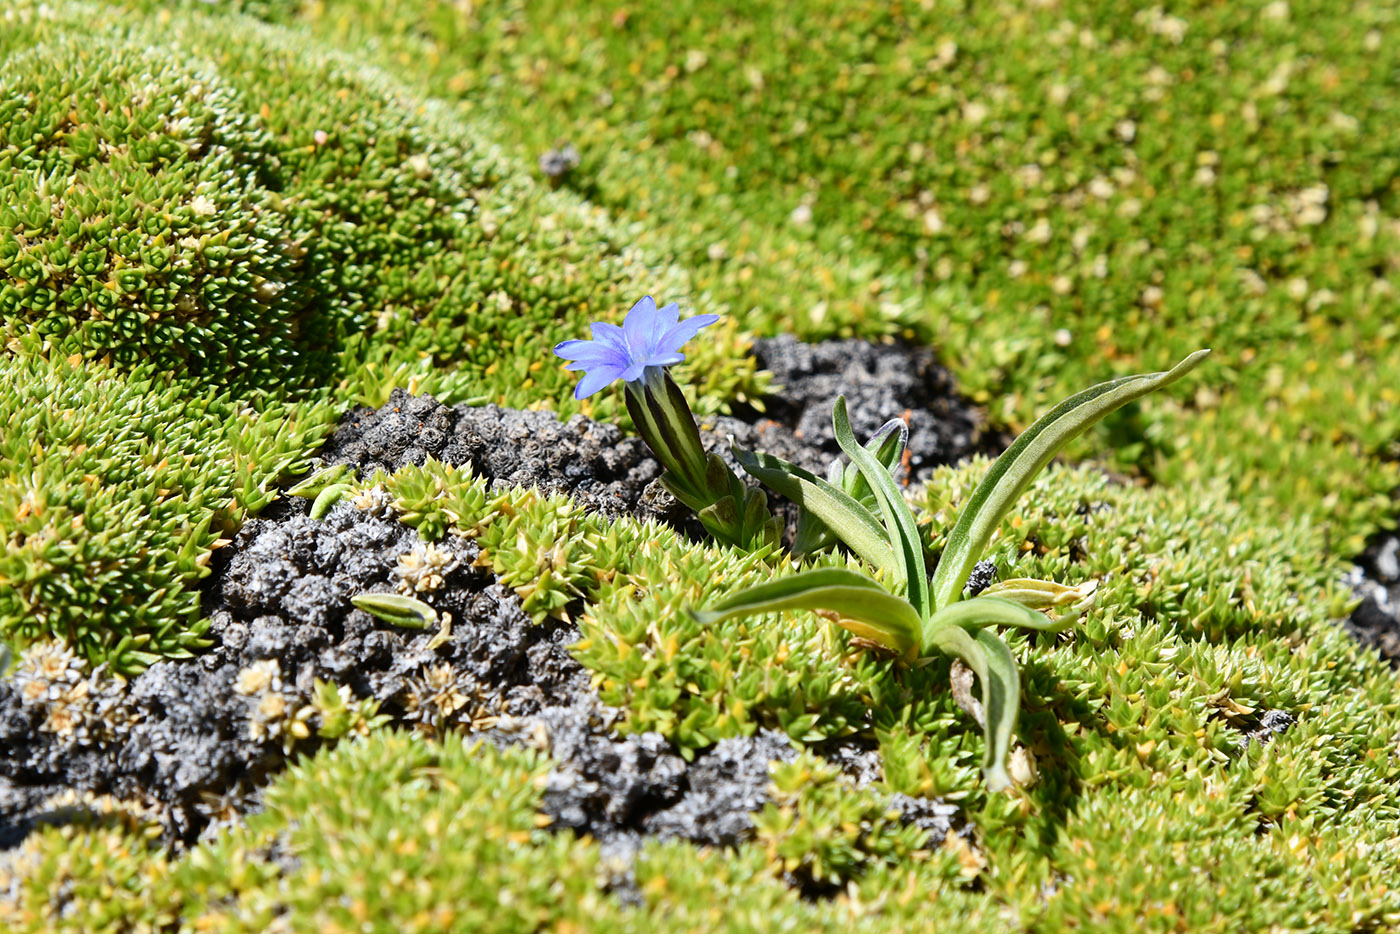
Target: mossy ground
<point x="218" y="232"/>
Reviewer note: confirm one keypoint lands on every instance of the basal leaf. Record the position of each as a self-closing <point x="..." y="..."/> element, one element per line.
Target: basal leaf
<point x="887" y="444"/>
<point x="991" y="660"/>
<point x="1043" y="595"/>
<point x="851" y="522"/>
<point x="1020" y="463"/>
<point x="881" y="616"/>
<point x="902" y="529"/>
<point x="982" y="611"/>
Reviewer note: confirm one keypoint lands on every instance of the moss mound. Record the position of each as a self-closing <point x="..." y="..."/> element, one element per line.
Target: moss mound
<point x="114" y="488"/>
<point x="269" y="232"/>
<point x="137" y="223"/>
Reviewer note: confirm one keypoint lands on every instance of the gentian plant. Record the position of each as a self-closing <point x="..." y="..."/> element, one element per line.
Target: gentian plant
<point x="639" y="352"/>
<point x="915" y="616"/>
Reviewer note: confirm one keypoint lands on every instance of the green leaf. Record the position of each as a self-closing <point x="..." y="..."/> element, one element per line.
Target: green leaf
<point x="991" y="660"/>
<point x="313" y="485"/>
<point x="887" y="445"/>
<point x="1018" y="466"/>
<point x="398" y="610"/>
<point x="1043" y="595"/>
<point x="903" y="531"/>
<point x="858" y="603"/>
<point x="851" y="522"/>
<point x="328" y="498"/>
<point x="982" y="610"/>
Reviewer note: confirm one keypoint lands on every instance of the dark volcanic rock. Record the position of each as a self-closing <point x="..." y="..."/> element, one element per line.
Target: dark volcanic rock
<point x="1376" y="580"/>
<point x="213" y="728"/>
<point x="937" y="818"/>
<point x="610" y="786"/>
<point x="723" y="787"/>
<point x="1265" y="725"/>
<point x="592" y="461"/>
<point x="880" y="382"/>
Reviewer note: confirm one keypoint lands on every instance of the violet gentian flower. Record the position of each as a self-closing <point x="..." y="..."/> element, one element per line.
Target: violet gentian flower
<point x="639" y="352"/>
<point x="649" y="336"/>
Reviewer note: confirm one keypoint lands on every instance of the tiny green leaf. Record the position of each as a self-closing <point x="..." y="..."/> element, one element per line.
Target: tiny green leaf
<point x="406" y="612"/>
<point x="321" y="479"/>
<point x="328" y="498"/>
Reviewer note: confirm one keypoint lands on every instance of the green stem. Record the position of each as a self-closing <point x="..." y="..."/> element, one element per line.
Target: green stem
<point x="726" y="507"/>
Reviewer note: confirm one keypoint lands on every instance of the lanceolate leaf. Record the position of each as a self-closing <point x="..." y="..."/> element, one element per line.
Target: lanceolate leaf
<point x="995" y="667"/>
<point x="328" y="498"/>
<point x="848" y="519"/>
<point x="408" y="612"/>
<point x="903" y="531"/>
<point x="1017" y="467"/>
<point x="982" y="611"/>
<point x="888" y="619"/>
<point x="887" y="444"/>
<point x="1042" y="595"/>
<point x="314" y="484"/>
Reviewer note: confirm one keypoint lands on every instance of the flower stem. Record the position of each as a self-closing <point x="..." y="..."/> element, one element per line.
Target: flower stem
<point x="729" y="510"/>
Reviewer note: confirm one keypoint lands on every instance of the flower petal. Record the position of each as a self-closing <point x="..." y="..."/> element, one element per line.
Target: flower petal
<point x="643" y="328"/>
<point x="649" y="336"/>
<point x="677" y="336"/>
<point x="595" y="380"/>
<point x="667" y="317"/>
<point x="588" y="352"/>
<point x="641" y="317"/>
<point x="610" y="334"/>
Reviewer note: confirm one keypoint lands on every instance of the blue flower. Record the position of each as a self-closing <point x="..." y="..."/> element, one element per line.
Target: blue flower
<point x="649" y="336"/>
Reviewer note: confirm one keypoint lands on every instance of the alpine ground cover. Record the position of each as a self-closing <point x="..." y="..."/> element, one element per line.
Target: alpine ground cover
<point x="342" y="202"/>
<point x="1051" y="193"/>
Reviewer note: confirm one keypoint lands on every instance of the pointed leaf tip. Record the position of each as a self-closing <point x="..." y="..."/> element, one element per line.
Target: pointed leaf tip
<point x="1014" y="470"/>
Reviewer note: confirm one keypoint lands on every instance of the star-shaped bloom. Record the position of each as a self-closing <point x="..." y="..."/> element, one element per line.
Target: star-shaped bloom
<point x="649" y="336"/>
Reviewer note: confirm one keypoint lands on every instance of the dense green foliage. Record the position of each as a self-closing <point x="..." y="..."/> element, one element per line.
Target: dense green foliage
<point x="218" y="230"/>
<point x="1051" y="193"/>
<point x="1133" y="744"/>
<point x="136" y="225"/>
<point x="114" y="489"/>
